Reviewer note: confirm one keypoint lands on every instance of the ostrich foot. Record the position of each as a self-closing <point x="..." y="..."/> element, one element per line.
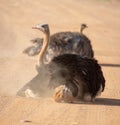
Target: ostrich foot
<point x="63" y="94"/>
<point x="29" y="93"/>
<point x="88" y="98"/>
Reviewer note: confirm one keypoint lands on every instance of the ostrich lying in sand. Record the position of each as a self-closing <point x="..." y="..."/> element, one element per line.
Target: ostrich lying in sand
<point x="72" y="76"/>
<point x="62" y="43"/>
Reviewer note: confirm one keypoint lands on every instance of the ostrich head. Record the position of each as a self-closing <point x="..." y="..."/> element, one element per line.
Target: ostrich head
<point x="42" y="27"/>
<point x="83" y="26"/>
<point x="45" y="29"/>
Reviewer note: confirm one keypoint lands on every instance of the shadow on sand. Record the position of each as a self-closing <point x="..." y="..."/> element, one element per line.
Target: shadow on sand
<point x="110" y="65"/>
<point x="103" y="101"/>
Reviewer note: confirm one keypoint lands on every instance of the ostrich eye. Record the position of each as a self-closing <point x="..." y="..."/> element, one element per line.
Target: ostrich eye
<point x="43" y="26"/>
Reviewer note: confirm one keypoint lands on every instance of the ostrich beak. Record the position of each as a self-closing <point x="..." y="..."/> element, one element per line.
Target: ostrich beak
<point x="39" y="27"/>
<point x="34" y="27"/>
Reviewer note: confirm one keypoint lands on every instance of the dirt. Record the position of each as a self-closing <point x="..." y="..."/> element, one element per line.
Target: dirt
<point x="16" y="69"/>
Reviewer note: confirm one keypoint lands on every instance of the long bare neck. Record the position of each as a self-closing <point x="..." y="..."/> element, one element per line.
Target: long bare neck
<point x="81" y="30"/>
<point x="44" y="48"/>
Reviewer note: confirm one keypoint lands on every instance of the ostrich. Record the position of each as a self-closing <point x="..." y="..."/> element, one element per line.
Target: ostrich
<point x="72" y="76"/>
<point x="63" y="42"/>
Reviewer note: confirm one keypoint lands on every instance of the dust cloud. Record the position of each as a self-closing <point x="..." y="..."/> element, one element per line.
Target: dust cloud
<point x="39" y="84"/>
<point x="43" y="84"/>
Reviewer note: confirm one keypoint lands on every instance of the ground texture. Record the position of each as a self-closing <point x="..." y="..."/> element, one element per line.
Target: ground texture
<point x="16" y="69"/>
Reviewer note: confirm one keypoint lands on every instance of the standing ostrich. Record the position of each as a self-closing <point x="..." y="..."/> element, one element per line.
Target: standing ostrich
<point x="72" y="76"/>
<point x="62" y="43"/>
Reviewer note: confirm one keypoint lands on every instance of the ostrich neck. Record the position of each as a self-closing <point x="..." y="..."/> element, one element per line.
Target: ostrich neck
<point x="44" y="48"/>
<point x="81" y="30"/>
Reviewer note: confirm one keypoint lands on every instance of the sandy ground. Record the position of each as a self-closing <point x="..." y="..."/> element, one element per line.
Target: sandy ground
<point x="16" y="69"/>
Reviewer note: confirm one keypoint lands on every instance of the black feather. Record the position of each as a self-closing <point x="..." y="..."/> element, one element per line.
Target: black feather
<point x="74" y="67"/>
